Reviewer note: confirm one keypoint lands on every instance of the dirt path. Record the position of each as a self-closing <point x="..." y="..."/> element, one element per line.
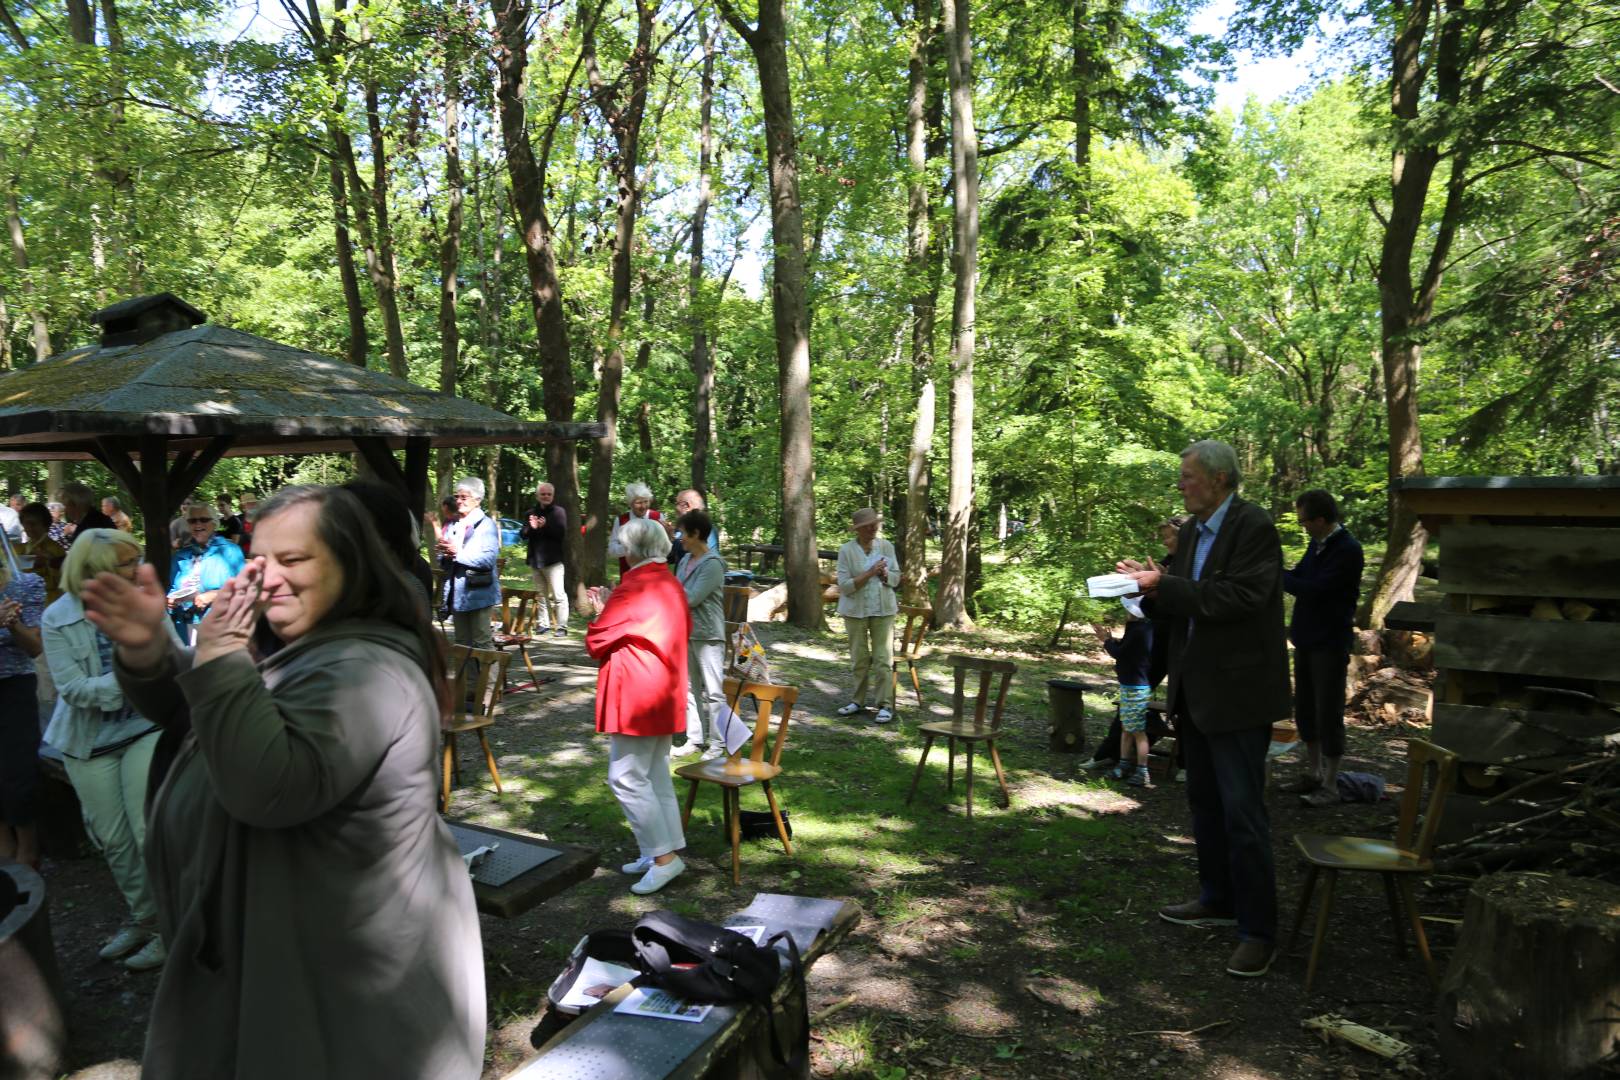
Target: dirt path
<point x="1021" y="945"/>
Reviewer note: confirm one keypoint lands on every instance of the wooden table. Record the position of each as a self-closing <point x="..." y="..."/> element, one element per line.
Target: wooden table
<point x="731" y="1051"/>
<point x="532" y="887"/>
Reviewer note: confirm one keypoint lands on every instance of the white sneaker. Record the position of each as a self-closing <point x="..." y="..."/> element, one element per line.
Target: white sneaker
<point x="883" y="716"/>
<point x="126" y="941"/>
<point x="714" y="752"/>
<point x="849" y="710"/>
<point x="658" y="876"/>
<point x="638" y="867"/>
<point x="150" y="958"/>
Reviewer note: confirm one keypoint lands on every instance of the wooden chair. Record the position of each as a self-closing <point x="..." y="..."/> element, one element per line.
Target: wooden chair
<point x="910" y="651"/>
<point x="519" y="609"/>
<point x="735" y="772"/>
<point x="969" y="731"/>
<point x="1398" y="862"/>
<point x="477" y="678"/>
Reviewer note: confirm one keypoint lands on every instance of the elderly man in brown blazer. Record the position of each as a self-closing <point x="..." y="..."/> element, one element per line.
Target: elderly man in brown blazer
<point x="1221" y="598"/>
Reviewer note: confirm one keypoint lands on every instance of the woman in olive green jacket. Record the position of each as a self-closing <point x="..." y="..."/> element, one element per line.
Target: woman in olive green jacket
<point x="320" y="920"/>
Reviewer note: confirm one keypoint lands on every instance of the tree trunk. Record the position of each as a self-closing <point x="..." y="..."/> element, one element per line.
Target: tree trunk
<point x="951" y="607"/>
<point x="358" y="345"/>
<point x="19" y="256"/>
<point x="1406" y="305"/>
<point x="545" y="289"/>
<point x="789" y="309"/>
<point x="623" y="116"/>
<point x="450" y="245"/>
<point x="1532" y="985"/>
<point x="702" y="361"/>
<point x="380" y="261"/>
<point x="923" y="120"/>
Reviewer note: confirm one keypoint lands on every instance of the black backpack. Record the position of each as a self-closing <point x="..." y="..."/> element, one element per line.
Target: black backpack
<point x="701" y="962"/>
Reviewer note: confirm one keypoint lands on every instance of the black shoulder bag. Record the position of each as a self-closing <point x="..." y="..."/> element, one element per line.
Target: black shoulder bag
<point x="701" y="962"/>
<point x="481" y="579"/>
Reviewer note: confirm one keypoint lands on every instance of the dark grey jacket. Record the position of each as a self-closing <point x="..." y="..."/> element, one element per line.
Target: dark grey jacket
<point x="1233" y="673"/>
<point x="319" y="918"/>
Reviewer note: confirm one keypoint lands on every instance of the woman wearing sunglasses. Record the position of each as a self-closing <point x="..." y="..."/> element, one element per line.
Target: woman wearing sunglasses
<point x="204" y="562"/>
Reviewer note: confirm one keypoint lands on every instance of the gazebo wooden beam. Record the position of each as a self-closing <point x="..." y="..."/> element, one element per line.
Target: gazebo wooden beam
<point x="153" y="496"/>
<point x="417" y="454"/>
<point x="189" y="470"/>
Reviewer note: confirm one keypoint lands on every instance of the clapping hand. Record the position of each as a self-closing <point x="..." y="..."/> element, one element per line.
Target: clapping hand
<point x="228" y="626"/>
<point x="131" y="614"/>
<point x="1147" y="575"/>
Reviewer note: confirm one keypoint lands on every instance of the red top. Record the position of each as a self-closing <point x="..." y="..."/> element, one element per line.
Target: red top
<point x="640" y="639"/>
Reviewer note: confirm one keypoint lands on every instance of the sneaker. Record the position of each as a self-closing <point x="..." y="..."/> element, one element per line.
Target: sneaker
<point x="150" y="958"/>
<point x="1322" y="796"/>
<point x="1121" y="770"/>
<point x="1139" y="778"/>
<point x="561" y="631"/>
<point x="883" y="716"/>
<point x="640" y="866"/>
<point x="657" y="876"/>
<point x="1251" y="959"/>
<point x="849" y="710"/>
<point x="1302" y="784"/>
<point x="125" y="942"/>
<point x="1181" y="776"/>
<point x="1194" y="913"/>
<point x="1099" y="764"/>
<point x="714" y="752"/>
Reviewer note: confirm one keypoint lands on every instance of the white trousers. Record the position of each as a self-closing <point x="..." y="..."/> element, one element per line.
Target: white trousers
<point x="638" y="773"/>
<point x="548" y="582"/>
<point x="705" y="689"/>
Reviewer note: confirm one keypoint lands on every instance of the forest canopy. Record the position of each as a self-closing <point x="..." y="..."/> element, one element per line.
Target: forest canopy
<point x="966" y="265"/>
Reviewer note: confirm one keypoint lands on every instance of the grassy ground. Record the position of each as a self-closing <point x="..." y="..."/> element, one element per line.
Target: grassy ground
<point x="1021" y="944"/>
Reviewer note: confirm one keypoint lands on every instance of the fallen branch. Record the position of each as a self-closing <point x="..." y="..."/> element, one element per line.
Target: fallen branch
<point x="837" y="1006"/>
<point x="1183" y="1034"/>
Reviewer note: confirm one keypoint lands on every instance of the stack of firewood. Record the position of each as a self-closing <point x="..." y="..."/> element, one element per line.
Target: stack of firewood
<point x="1571" y="816"/>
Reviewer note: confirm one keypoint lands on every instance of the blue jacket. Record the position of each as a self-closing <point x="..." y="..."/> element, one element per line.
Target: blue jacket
<point x="478" y="552"/>
<point x="1326" y="585"/>
<point x="215" y="564"/>
<point x="1133" y="654"/>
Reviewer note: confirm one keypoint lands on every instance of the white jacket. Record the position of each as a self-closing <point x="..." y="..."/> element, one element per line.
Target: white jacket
<point x="84" y="692"/>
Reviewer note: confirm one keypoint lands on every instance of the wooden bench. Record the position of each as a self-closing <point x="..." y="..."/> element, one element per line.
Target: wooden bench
<point x="532" y="887"/>
<point x="738" y="1040"/>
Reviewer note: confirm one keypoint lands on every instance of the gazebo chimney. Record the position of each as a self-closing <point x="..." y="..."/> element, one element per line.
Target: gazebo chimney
<point x="130" y="322"/>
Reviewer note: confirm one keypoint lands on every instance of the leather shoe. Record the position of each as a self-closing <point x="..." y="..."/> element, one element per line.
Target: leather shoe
<point x="1194" y="913"/>
<point x="1251" y="959"/>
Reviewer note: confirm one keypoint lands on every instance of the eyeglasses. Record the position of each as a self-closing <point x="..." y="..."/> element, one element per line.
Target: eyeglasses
<point x="201" y="521"/>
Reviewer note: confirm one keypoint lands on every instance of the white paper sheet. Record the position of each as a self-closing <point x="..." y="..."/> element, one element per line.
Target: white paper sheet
<point x="660" y="1004"/>
<point x="1104" y="585"/>
<point x="595" y="974"/>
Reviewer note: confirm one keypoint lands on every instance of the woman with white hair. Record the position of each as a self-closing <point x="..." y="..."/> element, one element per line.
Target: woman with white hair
<point x="106" y="745"/>
<point x="639" y="496"/>
<point x="202" y="565"/>
<point x="640" y="641"/>
<point x="868" y="574"/>
<point x="468" y="550"/>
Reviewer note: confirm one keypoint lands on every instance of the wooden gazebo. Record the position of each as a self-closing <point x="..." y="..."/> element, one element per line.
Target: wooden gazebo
<point x="164" y="395"/>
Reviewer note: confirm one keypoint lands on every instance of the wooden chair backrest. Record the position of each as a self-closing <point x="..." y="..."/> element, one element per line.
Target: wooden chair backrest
<point x="518" y="609"/>
<point x="1435" y="767"/>
<point x="736" y="603"/>
<point x="918" y="620"/>
<point x="766" y="698"/>
<point x="987" y="669"/>
<point x="478" y="675"/>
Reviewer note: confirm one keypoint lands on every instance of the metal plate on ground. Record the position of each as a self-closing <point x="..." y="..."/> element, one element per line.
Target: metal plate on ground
<point x="512" y="858"/>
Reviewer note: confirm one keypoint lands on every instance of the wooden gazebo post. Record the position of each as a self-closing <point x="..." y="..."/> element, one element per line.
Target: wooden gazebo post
<point x="159" y="486"/>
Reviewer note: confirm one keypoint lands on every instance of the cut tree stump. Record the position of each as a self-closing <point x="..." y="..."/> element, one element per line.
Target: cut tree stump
<point x="1533" y="990"/>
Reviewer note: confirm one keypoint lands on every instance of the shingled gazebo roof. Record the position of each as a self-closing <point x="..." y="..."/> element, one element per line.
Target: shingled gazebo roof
<point x="208" y="380"/>
<point x="163" y="384"/>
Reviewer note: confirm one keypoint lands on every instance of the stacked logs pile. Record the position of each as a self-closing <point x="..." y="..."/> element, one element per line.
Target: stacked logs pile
<point x="1570" y="817"/>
